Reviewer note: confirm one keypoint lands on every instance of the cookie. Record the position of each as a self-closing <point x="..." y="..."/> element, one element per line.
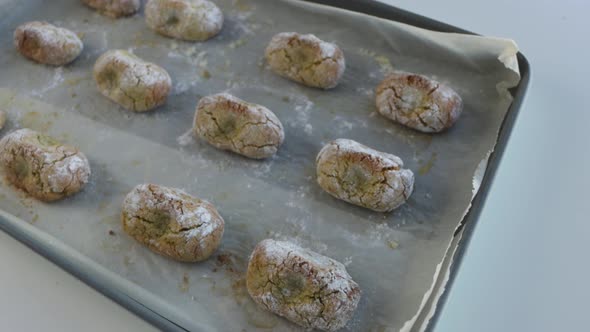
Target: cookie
<point x="131" y="82"/>
<point x="47" y="44"/>
<point x="229" y="123"/>
<point x="306" y="59"/>
<point x="41" y="166"/>
<point x="362" y="176"/>
<point x="172" y="223"/>
<point x="192" y="20"/>
<point x="114" y="8"/>
<point x="311" y="290"/>
<point x="418" y="102"/>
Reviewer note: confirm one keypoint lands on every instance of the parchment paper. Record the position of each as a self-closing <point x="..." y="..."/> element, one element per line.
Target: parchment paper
<point x="397" y="258"/>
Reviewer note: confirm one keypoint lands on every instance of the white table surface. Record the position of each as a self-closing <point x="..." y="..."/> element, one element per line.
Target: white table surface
<point x="526" y="268"/>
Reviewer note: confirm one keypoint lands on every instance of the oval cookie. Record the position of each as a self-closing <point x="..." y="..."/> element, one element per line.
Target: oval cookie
<point x="47" y="44"/>
<point x="309" y="289"/>
<point x="362" y="176"/>
<point x="418" y="102"/>
<point x="306" y="59"/>
<point x="172" y="223"/>
<point x="193" y="20"/>
<point x="41" y="166"/>
<point x="131" y="82"/>
<point x="114" y="8"/>
<point x="229" y="123"/>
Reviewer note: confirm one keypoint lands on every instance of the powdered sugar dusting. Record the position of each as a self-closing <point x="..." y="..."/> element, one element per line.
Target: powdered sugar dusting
<point x="64" y="170"/>
<point x="47" y="33"/>
<point x="56" y="80"/>
<point x="195" y="19"/>
<point x="335" y="294"/>
<point x="148" y="73"/>
<point x="348" y="145"/>
<point x="322" y="66"/>
<point x="377" y="180"/>
<point x="302" y="108"/>
<point x="58" y="170"/>
<point x="50" y="35"/>
<point x="46" y="43"/>
<point x="278" y="250"/>
<point x="152" y="197"/>
<point x="211" y="17"/>
<point x="172" y="222"/>
<point x="327" y="49"/>
<point x="385" y="66"/>
<point x="186" y="139"/>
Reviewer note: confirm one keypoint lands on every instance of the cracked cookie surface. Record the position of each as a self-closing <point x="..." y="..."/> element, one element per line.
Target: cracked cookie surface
<point x="305" y="287"/>
<point x="229" y="123"/>
<point x="131" y="82"/>
<point x="172" y="223"/>
<point x="193" y="20"/>
<point x="418" y="102"/>
<point x="45" y="43"/>
<point x="41" y="166"/>
<point x="306" y="59"/>
<point x="363" y="176"/>
<point x="114" y="8"/>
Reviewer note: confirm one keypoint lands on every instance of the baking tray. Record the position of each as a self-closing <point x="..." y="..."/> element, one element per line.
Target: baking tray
<point x="71" y="261"/>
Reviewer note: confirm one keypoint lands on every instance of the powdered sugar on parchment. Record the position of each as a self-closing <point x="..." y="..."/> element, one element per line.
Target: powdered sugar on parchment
<point x="385" y="66"/>
<point x="186" y="139"/>
<point x="302" y="109"/>
<point x="55" y="81"/>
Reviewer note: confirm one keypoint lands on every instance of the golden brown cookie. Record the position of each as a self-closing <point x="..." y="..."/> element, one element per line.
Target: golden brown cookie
<point x="309" y="289"/>
<point x="114" y="8"/>
<point x="193" y="20"/>
<point x="41" y="166"/>
<point x="47" y="44"/>
<point x="172" y="223"/>
<point x="418" y="102"/>
<point x="229" y="123"/>
<point x="362" y="176"/>
<point x="306" y="59"/>
<point x="131" y="82"/>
